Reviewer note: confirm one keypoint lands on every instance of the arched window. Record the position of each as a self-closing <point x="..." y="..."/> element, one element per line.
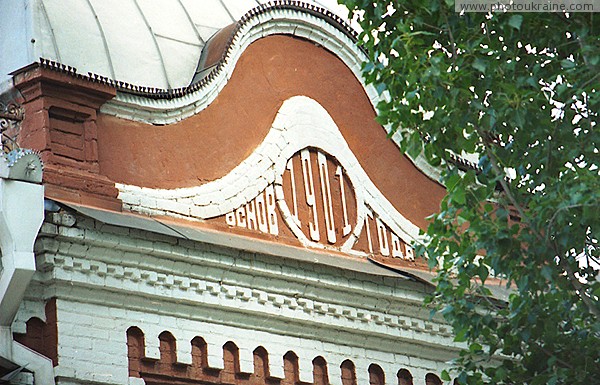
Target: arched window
<point x="404" y="377"/>
<point x="261" y="362"/>
<point x="168" y="350"/>
<point x="135" y="350"/>
<point x="320" y="376"/>
<point x="348" y="373"/>
<point x="231" y="362"/>
<point x="432" y="379"/>
<point x="199" y="353"/>
<point x="290" y="368"/>
<point x="376" y="375"/>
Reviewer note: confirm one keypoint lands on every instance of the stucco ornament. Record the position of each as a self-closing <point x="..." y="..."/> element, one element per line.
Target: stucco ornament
<point x="306" y="142"/>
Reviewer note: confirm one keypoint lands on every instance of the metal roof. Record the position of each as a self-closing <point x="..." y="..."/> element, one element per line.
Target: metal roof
<point x="146" y="42"/>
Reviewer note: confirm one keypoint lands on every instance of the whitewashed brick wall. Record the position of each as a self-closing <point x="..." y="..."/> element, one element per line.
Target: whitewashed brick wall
<point x="107" y="279"/>
<point x="93" y="346"/>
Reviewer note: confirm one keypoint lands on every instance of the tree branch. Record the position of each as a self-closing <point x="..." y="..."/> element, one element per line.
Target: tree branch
<point x="451" y="36"/>
<point x="592" y="308"/>
<point x="591" y="305"/>
<point x="569" y="207"/>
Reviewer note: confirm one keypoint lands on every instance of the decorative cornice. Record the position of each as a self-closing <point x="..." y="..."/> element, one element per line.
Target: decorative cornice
<point x="54" y="72"/>
<point x="165" y="106"/>
<point x="261" y="13"/>
<point x="84" y="257"/>
<point x="464" y="164"/>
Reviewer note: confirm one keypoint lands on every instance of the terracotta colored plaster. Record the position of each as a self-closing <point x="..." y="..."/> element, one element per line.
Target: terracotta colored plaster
<point x="285" y="234"/>
<point x="211" y="143"/>
<point x="305" y="216"/>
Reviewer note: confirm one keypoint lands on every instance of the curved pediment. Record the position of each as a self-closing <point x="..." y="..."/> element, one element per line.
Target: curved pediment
<point x="302" y="182"/>
<point x="210" y="145"/>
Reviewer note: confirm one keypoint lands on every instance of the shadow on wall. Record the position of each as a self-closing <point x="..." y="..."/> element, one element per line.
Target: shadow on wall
<point x="167" y="370"/>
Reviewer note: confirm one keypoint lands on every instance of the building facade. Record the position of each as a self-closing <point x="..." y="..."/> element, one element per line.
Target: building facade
<point x="217" y="204"/>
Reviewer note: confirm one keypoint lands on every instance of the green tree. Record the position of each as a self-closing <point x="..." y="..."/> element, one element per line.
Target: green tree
<point x="522" y="92"/>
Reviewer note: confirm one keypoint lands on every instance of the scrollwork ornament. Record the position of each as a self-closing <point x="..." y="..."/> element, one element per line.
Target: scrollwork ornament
<point x="11" y="116"/>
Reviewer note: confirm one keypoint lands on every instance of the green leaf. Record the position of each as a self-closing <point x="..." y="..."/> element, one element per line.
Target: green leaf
<point x="515" y="21"/>
<point x="461" y="335"/>
<point x="483" y="273"/>
<point x="452" y="180"/>
<point x="459" y="196"/>
<point x="547" y="272"/>
<point x="567" y="64"/>
<point x="479" y="65"/>
<point x="445" y="376"/>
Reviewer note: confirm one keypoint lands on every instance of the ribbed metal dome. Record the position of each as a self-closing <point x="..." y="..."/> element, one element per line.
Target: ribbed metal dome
<point x="146" y="42"/>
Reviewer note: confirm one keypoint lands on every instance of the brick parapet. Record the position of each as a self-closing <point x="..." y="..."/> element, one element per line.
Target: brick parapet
<point x="168" y="368"/>
<point x="107" y="279"/>
<point x="93" y="347"/>
<point x="60" y="122"/>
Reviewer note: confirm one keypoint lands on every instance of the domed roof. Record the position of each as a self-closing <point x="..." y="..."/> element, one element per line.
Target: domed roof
<point x="145" y="42"/>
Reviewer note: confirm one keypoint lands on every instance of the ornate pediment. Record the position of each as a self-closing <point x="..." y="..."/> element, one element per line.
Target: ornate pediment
<point x="302" y="184"/>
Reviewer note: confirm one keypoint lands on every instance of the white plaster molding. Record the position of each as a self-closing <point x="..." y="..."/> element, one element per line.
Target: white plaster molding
<point x="28" y="309"/>
<point x="301" y="122"/>
<point x="278" y="21"/>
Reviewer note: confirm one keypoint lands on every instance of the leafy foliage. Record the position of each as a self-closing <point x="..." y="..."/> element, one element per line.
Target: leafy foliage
<point x="522" y="92"/>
